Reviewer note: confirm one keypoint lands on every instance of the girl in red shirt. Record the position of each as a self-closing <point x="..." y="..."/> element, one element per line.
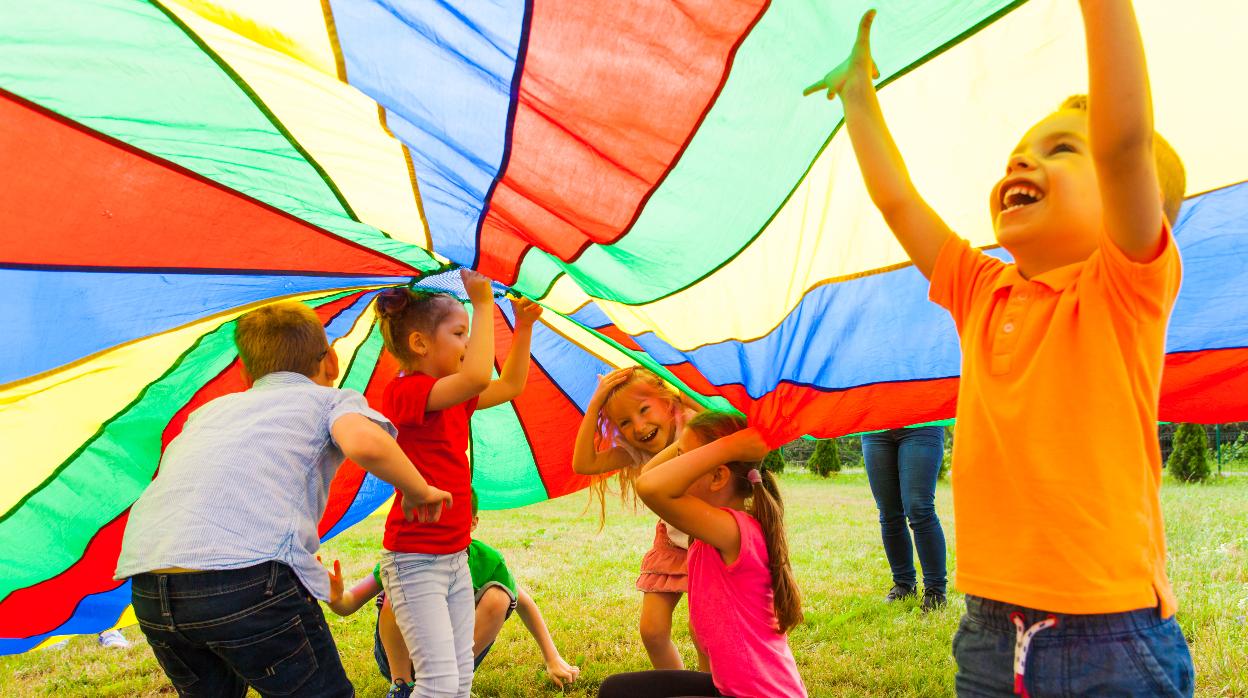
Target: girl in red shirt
<point x="446" y="360"/>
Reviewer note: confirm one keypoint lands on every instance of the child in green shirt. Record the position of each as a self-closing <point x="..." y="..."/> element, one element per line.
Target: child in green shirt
<point x="497" y="595"/>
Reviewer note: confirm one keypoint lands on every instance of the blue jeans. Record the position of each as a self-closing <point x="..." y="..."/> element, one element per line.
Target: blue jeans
<point x="216" y="633"/>
<point x="1134" y="653"/>
<point x="902" y="467"/>
<point x="433" y="605"/>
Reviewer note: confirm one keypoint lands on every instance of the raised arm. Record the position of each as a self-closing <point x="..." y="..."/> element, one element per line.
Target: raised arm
<point x="366" y="443"/>
<point x="664" y="489"/>
<point x="1120" y="128"/>
<point x="916" y="226"/>
<point x="560" y="671"/>
<point x="585" y="459"/>
<point x="515" y="372"/>
<point x="473" y="377"/>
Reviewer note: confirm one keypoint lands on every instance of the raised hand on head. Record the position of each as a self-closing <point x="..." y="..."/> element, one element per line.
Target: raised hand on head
<point x="609" y="381"/>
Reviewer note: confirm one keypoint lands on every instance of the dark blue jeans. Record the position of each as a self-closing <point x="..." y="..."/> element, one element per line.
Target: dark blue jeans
<point x="1135" y="653"/>
<point x="902" y="466"/>
<point x="216" y="633"/>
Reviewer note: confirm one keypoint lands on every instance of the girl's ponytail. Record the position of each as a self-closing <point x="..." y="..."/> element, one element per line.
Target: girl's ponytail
<point x="768" y="509"/>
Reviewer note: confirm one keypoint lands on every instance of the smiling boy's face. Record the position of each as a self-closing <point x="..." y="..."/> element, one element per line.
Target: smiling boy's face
<point x="1048" y="204"/>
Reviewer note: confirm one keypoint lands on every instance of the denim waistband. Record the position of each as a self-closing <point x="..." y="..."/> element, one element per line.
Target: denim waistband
<point x="997" y="615"/>
<point x="209" y="582"/>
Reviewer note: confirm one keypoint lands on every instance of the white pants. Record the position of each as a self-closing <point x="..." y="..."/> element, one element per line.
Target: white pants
<point x="433" y="604"/>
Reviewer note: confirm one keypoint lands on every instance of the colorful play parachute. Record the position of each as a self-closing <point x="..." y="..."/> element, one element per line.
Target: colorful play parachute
<point x="648" y="170"/>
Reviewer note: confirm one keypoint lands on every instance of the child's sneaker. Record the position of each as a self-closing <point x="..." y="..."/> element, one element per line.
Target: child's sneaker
<point x="400" y="689"/>
<point x="113" y="639"/>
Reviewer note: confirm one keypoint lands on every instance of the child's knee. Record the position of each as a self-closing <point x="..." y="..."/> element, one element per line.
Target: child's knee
<point x="655" y="629"/>
<point x="494" y="603"/>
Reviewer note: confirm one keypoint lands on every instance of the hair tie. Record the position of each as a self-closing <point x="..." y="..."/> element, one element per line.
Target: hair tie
<point x="754" y="476"/>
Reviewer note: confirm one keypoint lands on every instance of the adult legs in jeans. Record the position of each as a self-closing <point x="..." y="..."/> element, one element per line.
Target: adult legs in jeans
<point x="215" y="633"/>
<point x="658" y="683"/>
<point x="902" y="467"/>
<point x="433" y="604"/>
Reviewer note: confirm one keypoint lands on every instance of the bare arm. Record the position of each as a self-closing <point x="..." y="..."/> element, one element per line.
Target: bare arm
<point x="664" y="489"/>
<point x="376" y="451"/>
<point x="916" y="226"/>
<point x="560" y="671"/>
<point x="344" y="603"/>
<point x="585" y="459"/>
<point x="1120" y="126"/>
<point x="473" y="377"/>
<point x="515" y="372"/>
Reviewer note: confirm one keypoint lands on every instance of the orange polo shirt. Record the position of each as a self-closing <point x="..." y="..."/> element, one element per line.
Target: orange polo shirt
<point x="1056" y="466"/>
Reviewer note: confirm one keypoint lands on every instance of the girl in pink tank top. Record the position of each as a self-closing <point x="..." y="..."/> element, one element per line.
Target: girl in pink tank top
<point x="742" y="596"/>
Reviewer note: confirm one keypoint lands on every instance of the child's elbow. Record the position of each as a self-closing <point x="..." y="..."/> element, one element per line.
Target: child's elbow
<point x="478" y="382"/>
<point x="647" y="489"/>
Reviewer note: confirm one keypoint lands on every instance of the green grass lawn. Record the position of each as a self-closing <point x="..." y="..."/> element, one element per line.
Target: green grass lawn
<point x="852" y="644"/>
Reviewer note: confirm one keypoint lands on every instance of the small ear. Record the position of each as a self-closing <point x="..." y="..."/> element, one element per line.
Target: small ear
<point x="416" y="342"/>
<point x="721" y="477"/>
<point x="331" y="365"/>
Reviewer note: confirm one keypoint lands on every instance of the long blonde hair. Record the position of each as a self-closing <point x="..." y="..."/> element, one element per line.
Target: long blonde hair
<point x="766" y="506"/>
<point x="608" y="436"/>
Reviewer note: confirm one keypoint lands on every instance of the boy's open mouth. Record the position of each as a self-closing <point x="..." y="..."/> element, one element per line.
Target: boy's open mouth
<point x="649" y="435"/>
<point x="1019" y="195"/>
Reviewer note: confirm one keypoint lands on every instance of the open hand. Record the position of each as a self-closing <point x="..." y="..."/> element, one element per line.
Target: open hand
<point x="561" y="672"/>
<point x="335" y="581"/>
<point x="477" y="286"/>
<point x="858" y="66"/>
<point x="527" y="311"/>
<point x="427" y="509"/>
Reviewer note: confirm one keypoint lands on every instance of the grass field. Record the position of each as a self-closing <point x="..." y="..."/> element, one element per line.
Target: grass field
<point x="852" y="644"/>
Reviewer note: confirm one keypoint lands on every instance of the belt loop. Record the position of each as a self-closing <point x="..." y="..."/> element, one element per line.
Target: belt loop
<point x="268" y="589"/>
<point x="162" y="588"/>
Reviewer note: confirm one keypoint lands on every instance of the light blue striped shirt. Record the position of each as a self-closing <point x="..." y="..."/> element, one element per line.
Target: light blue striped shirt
<point x="245" y="482"/>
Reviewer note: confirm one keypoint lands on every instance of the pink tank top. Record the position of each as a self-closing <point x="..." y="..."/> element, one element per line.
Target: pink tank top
<point x="732" y="613"/>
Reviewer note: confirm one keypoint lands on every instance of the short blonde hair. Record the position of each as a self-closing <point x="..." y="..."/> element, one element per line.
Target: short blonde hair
<point x="1171" y="175"/>
<point x="283" y="336"/>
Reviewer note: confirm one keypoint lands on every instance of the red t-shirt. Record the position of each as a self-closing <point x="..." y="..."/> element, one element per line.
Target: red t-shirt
<point x="437" y="442"/>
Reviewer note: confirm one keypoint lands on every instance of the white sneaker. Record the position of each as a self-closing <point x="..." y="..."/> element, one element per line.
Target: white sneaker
<point x="114" y="639"/>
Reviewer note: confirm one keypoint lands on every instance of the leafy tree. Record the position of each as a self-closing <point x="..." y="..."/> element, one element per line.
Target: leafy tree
<point x="1189" y="460"/>
<point x="946" y="459"/>
<point x="826" y="459"/>
<point x="774" y="462"/>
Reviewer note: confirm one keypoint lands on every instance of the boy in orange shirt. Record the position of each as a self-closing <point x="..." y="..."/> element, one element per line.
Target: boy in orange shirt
<point x="1060" y="543"/>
